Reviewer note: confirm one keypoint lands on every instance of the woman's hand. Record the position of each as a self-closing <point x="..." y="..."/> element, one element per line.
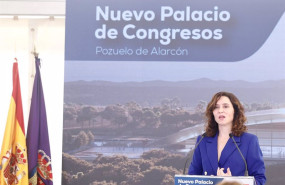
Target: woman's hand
<point x="220" y="172"/>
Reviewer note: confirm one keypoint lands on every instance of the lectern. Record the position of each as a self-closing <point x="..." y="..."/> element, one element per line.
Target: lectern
<point x="211" y="180"/>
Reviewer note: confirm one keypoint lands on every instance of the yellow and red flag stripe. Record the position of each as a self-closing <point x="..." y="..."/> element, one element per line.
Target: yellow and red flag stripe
<point x="14" y="164"/>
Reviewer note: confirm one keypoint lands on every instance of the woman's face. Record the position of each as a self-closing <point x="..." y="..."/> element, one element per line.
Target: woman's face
<point x="224" y="112"/>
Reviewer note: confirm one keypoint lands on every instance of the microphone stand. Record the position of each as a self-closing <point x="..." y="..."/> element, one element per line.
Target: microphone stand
<point x="246" y="171"/>
<point x="203" y="135"/>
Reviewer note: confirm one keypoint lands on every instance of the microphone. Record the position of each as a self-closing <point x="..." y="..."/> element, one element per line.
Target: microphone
<point x="203" y="135"/>
<point x="246" y="171"/>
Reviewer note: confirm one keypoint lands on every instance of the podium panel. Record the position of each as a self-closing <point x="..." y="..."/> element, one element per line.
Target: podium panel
<point x="211" y="180"/>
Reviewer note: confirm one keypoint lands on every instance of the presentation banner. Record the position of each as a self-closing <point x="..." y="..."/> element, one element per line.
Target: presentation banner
<point x="135" y="30"/>
<point x="139" y="76"/>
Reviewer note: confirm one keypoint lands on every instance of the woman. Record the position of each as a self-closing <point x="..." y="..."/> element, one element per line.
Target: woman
<point x="217" y="153"/>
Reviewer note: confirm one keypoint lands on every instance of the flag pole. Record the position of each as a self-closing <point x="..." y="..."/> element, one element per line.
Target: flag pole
<point x="35" y="52"/>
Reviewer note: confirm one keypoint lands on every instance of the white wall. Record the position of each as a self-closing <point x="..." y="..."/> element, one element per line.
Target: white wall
<point x="17" y="39"/>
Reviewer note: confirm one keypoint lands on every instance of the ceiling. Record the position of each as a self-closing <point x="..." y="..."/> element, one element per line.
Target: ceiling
<point x="32" y="7"/>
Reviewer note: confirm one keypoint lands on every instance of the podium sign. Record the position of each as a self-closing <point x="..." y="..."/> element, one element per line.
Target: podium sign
<point x="210" y="180"/>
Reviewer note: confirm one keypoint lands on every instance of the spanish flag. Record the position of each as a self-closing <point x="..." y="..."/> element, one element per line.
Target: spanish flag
<point x="14" y="166"/>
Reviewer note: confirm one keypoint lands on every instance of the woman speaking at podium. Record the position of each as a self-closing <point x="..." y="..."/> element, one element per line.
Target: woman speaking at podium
<point x="226" y="149"/>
